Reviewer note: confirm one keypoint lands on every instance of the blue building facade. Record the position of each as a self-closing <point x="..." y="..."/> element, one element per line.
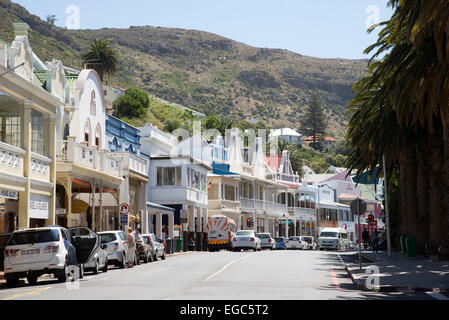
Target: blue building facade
<point x="122" y="137"/>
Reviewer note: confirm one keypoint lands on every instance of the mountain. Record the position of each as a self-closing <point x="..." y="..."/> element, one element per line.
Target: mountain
<point x="205" y="71"/>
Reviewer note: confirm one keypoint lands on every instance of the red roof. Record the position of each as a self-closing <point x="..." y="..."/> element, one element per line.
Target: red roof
<point x="273" y="162"/>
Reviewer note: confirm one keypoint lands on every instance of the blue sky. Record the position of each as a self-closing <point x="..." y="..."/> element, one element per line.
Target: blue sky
<point x="319" y="28"/>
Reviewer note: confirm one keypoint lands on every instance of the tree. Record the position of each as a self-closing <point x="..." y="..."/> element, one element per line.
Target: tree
<point x="171" y="125"/>
<point x="100" y="56"/>
<point x="133" y="104"/>
<point x="51" y="19"/>
<point x="313" y="124"/>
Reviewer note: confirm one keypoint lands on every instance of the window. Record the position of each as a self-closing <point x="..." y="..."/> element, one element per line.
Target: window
<point x="213" y="192"/>
<point x="98" y="141"/>
<point x="87" y="131"/>
<point x="340" y="215"/>
<point x="169" y="176"/>
<point x="229" y="193"/>
<point x="39" y="132"/>
<point x="29" y="237"/>
<point x="93" y="103"/>
<point x="10" y="120"/>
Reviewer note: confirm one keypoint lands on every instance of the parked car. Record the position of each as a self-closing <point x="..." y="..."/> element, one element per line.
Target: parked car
<point x="246" y="239"/>
<point x="32" y="252"/>
<point x="156" y="245"/>
<point x="116" y="248"/>
<point x="99" y="260"/>
<point x="144" y="249"/>
<point x="3" y="241"/>
<point x="281" y="243"/>
<point x="333" y="238"/>
<point x="267" y="241"/>
<point x="296" y="243"/>
<point x="310" y="242"/>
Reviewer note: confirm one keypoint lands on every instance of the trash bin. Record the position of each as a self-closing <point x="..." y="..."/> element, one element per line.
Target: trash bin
<point x="410" y="245"/>
<point x="179" y="244"/>
<point x="168" y="245"/>
<point x="403" y="245"/>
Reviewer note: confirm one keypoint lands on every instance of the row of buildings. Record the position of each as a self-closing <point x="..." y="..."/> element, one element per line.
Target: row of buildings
<point x="64" y="160"/>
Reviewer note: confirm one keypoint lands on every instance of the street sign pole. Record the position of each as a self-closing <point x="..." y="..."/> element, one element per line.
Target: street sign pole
<point x="360" y="235"/>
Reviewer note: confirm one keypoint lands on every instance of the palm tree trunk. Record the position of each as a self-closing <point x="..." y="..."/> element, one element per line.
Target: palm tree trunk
<point x="422" y="231"/>
<point x="411" y="169"/>
<point x="445" y="217"/>
<point x="435" y="182"/>
<point x="403" y="205"/>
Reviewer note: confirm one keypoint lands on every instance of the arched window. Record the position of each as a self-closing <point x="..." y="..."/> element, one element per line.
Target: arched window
<point x="87" y="131"/>
<point x="93" y="103"/>
<point x="98" y="141"/>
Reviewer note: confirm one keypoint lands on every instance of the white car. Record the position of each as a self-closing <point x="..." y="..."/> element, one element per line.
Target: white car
<point x="32" y="252"/>
<point x="246" y="239"/>
<point x="296" y="243"/>
<point x="267" y="241"/>
<point x="116" y="248"/>
<point x="157" y="246"/>
<point x="310" y="242"/>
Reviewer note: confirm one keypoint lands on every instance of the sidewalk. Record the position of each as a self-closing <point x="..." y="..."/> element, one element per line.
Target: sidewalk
<point x="398" y="274"/>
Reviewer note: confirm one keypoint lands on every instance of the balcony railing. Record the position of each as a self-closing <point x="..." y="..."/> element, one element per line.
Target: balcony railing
<point x="11" y="159"/>
<point x="40" y="167"/>
<point x="223" y="205"/>
<point x="90" y="157"/>
<point x="287" y="178"/>
<point x="133" y="162"/>
<point x="247" y="204"/>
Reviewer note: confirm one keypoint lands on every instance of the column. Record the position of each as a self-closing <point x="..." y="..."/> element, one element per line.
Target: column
<point x="102" y="224"/>
<point x="159" y="225"/>
<point x="68" y="190"/>
<point x="52" y="154"/>
<point x="171" y="224"/>
<point x="94" y="187"/>
<point x="24" y="197"/>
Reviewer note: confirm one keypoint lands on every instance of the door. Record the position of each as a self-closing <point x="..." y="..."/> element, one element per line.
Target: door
<point x="86" y="241"/>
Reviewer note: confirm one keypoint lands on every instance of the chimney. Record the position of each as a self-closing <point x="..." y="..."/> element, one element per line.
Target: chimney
<point x="21" y="29"/>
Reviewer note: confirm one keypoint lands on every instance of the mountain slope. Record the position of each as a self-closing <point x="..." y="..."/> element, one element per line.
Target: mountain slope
<point x="205" y="71"/>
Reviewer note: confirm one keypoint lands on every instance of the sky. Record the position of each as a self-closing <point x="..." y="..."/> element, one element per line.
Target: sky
<point x="318" y="28"/>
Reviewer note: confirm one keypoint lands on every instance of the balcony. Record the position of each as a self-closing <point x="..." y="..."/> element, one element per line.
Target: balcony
<point x="11" y="159"/>
<point x="89" y="157"/>
<point x="247" y="204"/>
<point x="224" y="205"/>
<point x="40" y="167"/>
<point x="133" y="162"/>
<point x="287" y="178"/>
<point x="301" y="213"/>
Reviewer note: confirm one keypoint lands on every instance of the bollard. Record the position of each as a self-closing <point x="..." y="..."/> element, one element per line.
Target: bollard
<point x="411" y="248"/>
<point x="403" y="244"/>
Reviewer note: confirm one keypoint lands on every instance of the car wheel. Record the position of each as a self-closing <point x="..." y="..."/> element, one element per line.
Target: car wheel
<point x="12" y="280"/>
<point x="156" y="257"/>
<point x="105" y="268"/>
<point x="32" y="279"/>
<point x="63" y="274"/>
<point x="97" y="267"/>
<point x="163" y="256"/>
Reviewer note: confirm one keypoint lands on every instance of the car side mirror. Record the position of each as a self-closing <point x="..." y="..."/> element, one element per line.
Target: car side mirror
<point x="104" y="246"/>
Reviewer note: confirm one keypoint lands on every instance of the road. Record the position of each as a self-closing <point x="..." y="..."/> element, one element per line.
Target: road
<point x="266" y="275"/>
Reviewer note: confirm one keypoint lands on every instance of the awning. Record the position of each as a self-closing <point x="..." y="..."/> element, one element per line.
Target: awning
<point x="159" y="207"/>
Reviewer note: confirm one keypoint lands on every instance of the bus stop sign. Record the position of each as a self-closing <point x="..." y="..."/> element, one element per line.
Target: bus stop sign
<point x="358" y="206"/>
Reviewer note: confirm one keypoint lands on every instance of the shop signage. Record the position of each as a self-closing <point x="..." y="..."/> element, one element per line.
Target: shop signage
<point x="9" y="194"/>
<point x="39" y="207"/>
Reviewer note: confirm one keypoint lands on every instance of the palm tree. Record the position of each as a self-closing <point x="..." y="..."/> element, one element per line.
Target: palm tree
<point x="100" y="56"/>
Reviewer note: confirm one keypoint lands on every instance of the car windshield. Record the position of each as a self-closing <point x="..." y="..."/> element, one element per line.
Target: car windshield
<point x="328" y="234"/>
<point x="244" y="233"/>
<point x="307" y="239"/>
<point x="108" y="237"/>
<point x="28" y="237"/>
<point x="263" y="235"/>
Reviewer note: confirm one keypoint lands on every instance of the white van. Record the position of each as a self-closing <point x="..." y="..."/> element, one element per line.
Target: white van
<point x="333" y="238"/>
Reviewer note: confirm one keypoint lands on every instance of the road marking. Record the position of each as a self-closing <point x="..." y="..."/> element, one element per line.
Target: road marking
<point x="437" y="295"/>
<point x="227" y="266"/>
<point x="35" y="292"/>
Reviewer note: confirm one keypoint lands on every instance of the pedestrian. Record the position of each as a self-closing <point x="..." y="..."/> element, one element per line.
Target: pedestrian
<point x="375" y="240"/>
<point x="131" y="248"/>
<point x="138" y="240"/>
<point x="365" y="238"/>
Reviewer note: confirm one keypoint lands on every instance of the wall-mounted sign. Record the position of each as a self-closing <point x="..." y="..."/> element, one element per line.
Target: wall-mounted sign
<point x="124" y="208"/>
<point x="9" y="194"/>
<point x="124" y="219"/>
<point x="39" y="207"/>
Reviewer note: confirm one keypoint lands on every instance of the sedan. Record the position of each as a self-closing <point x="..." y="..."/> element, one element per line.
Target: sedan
<point x="296" y="243"/>
<point x="267" y="241"/>
<point x="246" y="239"/>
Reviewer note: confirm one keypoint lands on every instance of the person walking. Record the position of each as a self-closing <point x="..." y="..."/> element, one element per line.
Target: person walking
<point x="375" y="240"/>
<point x="131" y="248"/>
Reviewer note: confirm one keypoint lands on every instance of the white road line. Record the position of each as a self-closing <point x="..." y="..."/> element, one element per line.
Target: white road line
<point x="437" y="295"/>
<point x="227" y="266"/>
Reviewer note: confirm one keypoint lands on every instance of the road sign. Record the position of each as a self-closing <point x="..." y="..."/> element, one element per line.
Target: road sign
<point x="124" y="208"/>
<point x="124" y="219"/>
<point x="358" y="206"/>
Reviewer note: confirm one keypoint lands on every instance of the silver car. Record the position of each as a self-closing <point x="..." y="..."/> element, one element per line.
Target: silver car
<point x="310" y="241"/>
<point x="246" y="239"/>
<point x="115" y="247"/>
<point x="99" y="260"/>
<point x="156" y="245"/>
<point x="267" y="241"/>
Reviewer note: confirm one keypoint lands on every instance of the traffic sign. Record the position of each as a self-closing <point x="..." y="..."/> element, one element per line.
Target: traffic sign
<point x="358" y="206"/>
<point x="124" y="219"/>
<point x="124" y="208"/>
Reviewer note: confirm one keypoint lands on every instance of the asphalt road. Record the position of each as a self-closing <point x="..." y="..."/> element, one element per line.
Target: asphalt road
<point x="266" y="275"/>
